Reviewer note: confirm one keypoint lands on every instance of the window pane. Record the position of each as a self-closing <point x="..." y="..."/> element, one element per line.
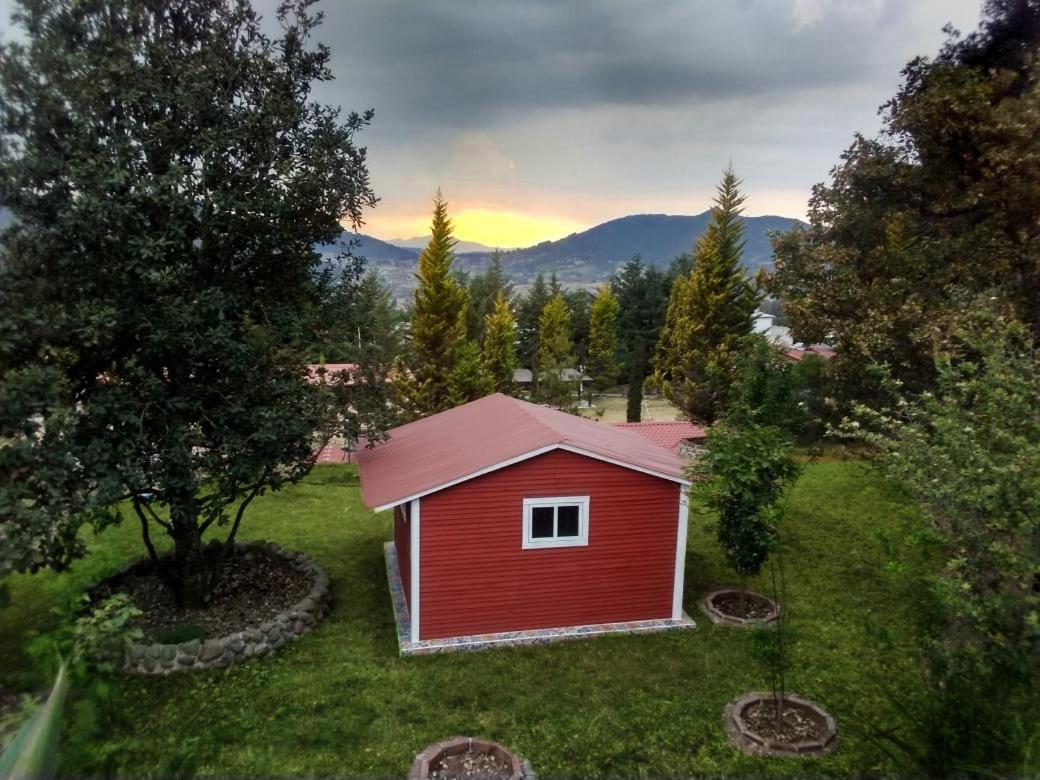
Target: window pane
<point x="541" y="522"/>
<point x="568" y="520"/>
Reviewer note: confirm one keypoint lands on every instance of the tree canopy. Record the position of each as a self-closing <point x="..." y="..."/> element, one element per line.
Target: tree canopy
<point x="936" y="214"/>
<point x="169" y="173"/>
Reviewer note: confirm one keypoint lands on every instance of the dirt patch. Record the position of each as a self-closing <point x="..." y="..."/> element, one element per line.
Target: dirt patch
<point x="253" y="589"/>
<point x="471" y="764"/>
<point x="796" y="723"/>
<point x="754" y="608"/>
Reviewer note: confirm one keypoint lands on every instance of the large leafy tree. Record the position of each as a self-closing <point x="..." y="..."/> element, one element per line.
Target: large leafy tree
<point x="709" y="314"/>
<point x="937" y="212"/>
<point x="969" y="452"/>
<point x="438" y="326"/>
<point x="500" y="345"/>
<point x="555" y="353"/>
<point x="603" y="364"/>
<point x="169" y="175"/>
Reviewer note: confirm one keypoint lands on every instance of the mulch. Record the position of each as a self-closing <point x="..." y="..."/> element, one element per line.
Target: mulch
<point x="471" y="764"/>
<point x="755" y="608"/>
<point x="253" y="589"/>
<point x="796" y="725"/>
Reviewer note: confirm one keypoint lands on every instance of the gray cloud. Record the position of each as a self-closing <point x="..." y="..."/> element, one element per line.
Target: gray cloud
<point x="591" y="109"/>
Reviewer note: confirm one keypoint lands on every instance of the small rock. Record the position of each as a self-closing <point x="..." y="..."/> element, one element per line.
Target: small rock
<point x="211" y="650"/>
<point x="168" y="652"/>
<point x="155" y="651"/>
<point x="190" y="648"/>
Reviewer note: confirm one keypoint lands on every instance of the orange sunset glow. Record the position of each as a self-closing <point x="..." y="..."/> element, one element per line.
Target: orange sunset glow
<point x="493" y="227"/>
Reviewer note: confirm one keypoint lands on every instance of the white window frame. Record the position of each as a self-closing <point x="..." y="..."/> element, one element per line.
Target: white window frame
<point x="581" y="540"/>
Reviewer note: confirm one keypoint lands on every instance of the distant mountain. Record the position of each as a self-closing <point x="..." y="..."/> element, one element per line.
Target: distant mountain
<point x="372" y="249"/>
<point x="461" y="247"/>
<point x="656" y="238"/>
<point x="585" y="258"/>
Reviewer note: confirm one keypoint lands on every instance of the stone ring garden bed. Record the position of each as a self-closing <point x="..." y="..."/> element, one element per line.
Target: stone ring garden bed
<point x="205" y="653"/>
<point x="719" y="607"/>
<point x="461" y="757"/>
<point x="807" y="730"/>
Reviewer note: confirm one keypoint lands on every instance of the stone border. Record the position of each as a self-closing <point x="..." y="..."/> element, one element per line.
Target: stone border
<point x="753" y="744"/>
<point x="720" y="618"/>
<point x="540" y="636"/>
<point x="156" y="658"/>
<point x="450" y="747"/>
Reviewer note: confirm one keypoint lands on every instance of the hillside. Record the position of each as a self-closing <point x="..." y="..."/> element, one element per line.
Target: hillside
<point x="591" y="256"/>
<point x="420" y="242"/>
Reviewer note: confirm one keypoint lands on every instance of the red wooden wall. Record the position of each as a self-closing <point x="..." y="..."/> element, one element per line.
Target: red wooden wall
<point x="403" y="545"/>
<point x="476" y="578"/>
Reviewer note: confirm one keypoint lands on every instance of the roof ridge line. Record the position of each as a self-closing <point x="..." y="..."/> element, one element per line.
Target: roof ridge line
<point x="545" y="427"/>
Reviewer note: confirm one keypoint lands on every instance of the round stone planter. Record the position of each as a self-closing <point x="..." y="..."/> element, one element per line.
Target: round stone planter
<point x="156" y="658"/>
<point x="743" y="735"/>
<point x="428" y="760"/>
<point x="720" y="618"/>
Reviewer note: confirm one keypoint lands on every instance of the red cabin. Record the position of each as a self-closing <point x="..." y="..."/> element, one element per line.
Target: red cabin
<point x="516" y="523"/>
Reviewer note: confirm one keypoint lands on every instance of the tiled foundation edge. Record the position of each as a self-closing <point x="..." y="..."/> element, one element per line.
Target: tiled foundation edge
<point x="508" y="638"/>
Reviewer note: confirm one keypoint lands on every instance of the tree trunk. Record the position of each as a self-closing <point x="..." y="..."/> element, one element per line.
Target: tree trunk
<point x="189" y="577"/>
<point x="635" y="383"/>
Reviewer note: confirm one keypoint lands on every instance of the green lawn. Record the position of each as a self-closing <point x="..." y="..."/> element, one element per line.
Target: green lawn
<point x="341" y="700"/>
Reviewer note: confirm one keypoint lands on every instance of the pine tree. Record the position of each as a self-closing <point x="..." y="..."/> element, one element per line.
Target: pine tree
<point x="555" y="353"/>
<point x="500" y="345"/>
<point x="603" y="364"/>
<point x="709" y="314"/>
<point x="468" y="381"/>
<point x="484" y="289"/>
<point x="529" y="311"/>
<point x="438" y="331"/>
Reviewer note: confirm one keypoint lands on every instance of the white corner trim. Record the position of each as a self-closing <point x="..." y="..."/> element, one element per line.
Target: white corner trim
<point x="413" y="559"/>
<point x="581" y="540"/>
<point x="528" y="456"/>
<point x="680" y="553"/>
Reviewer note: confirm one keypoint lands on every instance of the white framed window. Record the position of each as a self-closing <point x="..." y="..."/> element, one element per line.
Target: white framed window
<point x="556" y="522"/>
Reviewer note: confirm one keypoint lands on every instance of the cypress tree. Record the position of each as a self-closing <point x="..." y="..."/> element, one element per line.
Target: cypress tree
<point x="500" y="345"/>
<point x="438" y="323"/>
<point x="555" y="353"/>
<point x="603" y="338"/>
<point x="709" y="314"/>
<point x="468" y="381"/>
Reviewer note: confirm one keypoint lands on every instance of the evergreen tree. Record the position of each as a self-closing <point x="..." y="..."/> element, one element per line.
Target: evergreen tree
<point x="361" y="323"/>
<point x="500" y="345"/>
<point x="529" y="312"/>
<point x="642" y="297"/>
<point x="603" y="364"/>
<point x="469" y="380"/>
<point x="438" y="327"/>
<point x="484" y="289"/>
<point x="555" y="354"/>
<point x="578" y="304"/>
<point x="709" y="314"/>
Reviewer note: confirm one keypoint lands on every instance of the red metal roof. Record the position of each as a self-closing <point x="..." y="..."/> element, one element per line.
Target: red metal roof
<point x="490" y="433"/>
<point x="797" y="354"/>
<point x="314" y="374"/>
<point x="667" y="434"/>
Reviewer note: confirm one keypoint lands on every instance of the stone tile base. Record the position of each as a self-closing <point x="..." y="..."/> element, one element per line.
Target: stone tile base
<point x="508" y="638"/>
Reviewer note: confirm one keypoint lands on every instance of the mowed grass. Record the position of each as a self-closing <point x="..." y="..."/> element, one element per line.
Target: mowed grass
<point x="342" y="702"/>
<point x="615" y="409"/>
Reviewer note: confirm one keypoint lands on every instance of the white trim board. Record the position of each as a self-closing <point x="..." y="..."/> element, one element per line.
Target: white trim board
<point x="680" y="553"/>
<point x="526" y="456"/>
<point x="413" y="559"/>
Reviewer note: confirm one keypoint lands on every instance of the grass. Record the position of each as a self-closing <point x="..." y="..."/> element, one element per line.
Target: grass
<point x="615" y="408"/>
<point x="341" y="700"/>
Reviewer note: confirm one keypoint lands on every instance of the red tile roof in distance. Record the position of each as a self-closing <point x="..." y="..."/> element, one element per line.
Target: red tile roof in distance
<point x="314" y="371"/>
<point x="490" y="433"/>
<point x="667" y="434"/>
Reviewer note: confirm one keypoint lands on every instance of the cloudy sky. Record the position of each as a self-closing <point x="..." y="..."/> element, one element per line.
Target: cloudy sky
<point x="541" y="117"/>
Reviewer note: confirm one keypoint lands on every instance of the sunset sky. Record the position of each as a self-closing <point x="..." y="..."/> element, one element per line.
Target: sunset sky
<point x="538" y="118"/>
